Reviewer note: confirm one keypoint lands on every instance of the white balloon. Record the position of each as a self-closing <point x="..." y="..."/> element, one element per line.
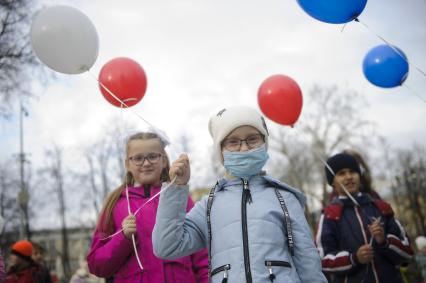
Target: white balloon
<point x="64" y="39"/>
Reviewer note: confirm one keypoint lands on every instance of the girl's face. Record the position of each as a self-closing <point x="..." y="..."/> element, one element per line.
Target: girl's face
<point x="146" y="160"/>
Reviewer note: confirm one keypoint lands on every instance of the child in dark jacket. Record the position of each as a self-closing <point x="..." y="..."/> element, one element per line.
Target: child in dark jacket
<point x="358" y="238"/>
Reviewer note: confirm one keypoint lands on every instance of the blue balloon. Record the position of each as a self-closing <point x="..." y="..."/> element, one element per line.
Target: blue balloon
<point x="333" y="11"/>
<point x="385" y="66"/>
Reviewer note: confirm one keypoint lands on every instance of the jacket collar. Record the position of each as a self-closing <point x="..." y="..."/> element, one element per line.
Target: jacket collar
<point x="138" y="191"/>
<point x="261" y="180"/>
<point x="361" y="198"/>
<point x="229" y="182"/>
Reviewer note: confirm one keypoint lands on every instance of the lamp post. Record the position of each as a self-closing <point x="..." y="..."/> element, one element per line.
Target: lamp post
<point x="23" y="196"/>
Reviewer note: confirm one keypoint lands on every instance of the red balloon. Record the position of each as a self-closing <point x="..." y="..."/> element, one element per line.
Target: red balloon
<point x="126" y="79"/>
<point x="280" y="99"/>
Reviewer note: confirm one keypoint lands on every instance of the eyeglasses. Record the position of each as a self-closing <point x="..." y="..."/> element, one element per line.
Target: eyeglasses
<point x="252" y="141"/>
<point x="139" y="159"/>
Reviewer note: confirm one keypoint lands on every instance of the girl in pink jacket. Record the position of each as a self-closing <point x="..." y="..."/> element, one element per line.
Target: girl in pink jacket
<point x="112" y="253"/>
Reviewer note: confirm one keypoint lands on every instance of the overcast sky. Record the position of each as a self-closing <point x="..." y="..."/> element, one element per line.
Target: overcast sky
<point x="200" y="56"/>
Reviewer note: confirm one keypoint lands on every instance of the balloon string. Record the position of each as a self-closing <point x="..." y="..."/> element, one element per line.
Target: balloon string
<point x="118" y="99"/>
<point x="399" y="53"/>
<point x="127" y="195"/>
<point x="137" y="211"/>
<point x="391" y="46"/>
<point x="415" y="93"/>
<point x="148" y="201"/>
<point x="133" y="235"/>
<point x="327" y="167"/>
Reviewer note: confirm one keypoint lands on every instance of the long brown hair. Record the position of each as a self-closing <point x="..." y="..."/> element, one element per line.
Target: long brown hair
<point x="106" y="223"/>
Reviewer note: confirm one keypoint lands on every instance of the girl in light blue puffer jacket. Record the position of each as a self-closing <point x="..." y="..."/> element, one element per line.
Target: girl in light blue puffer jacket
<point x="253" y="225"/>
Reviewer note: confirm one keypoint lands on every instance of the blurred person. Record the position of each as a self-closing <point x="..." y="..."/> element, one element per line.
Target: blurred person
<point x="22" y="267"/>
<point x="38" y="257"/>
<point x="111" y="253"/>
<point x="421" y="255"/>
<point x="253" y="224"/>
<point x="82" y="275"/>
<point x="358" y="238"/>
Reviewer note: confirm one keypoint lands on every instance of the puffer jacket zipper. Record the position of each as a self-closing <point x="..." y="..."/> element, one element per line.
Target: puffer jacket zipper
<point x="223" y="268"/>
<point x="270" y="263"/>
<point x="246" y="198"/>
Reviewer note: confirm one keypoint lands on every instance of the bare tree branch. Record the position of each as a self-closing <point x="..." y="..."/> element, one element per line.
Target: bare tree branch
<point x="18" y="64"/>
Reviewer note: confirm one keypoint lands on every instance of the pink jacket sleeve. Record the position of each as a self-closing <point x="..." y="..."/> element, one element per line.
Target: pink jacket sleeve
<point x="200" y="260"/>
<point x="107" y="256"/>
<point x="200" y="266"/>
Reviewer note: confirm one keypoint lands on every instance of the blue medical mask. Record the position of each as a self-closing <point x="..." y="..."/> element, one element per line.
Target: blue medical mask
<point x="244" y="164"/>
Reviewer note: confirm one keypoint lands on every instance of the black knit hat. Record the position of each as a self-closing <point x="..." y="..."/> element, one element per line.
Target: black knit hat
<point x="338" y="162"/>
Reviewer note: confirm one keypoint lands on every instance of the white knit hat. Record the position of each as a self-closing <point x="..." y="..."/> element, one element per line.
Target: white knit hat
<point x="420" y="242"/>
<point x="228" y="119"/>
